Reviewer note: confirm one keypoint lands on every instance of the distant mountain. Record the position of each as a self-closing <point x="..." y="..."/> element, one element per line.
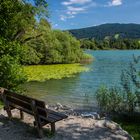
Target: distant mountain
<point x="108" y="30"/>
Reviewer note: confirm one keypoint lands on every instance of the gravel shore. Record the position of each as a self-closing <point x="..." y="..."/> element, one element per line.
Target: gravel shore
<point x="75" y="127"/>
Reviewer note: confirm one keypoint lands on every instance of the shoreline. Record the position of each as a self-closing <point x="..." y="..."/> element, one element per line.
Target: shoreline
<point x="76" y="127"/>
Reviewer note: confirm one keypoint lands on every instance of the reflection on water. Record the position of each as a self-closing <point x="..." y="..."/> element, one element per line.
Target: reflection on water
<point x="79" y="91"/>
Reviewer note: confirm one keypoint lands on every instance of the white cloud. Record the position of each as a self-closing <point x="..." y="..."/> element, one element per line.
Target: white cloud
<point x="55" y="25"/>
<point x="115" y="3"/>
<point x="71" y="2"/>
<point x="64" y="17"/>
<point x="71" y="12"/>
<point x="74" y="7"/>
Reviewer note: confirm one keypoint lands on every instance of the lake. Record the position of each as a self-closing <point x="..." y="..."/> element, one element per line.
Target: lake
<point x="79" y="91"/>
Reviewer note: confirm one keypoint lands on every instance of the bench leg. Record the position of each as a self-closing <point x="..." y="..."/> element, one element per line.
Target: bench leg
<point x="21" y="115"/>
<point x="39" y="129"/>
<point x="53" y="127"/>
<point x="37" y="119"/>
<point x="9" y="113"/>
<point x="40" y="132"/>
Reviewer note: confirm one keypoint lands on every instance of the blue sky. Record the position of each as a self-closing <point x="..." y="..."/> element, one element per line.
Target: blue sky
<point x="71" y="14"/>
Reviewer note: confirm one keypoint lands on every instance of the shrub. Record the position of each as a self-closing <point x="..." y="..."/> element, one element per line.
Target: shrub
<point x="109" y="99"/>
<point x="125" y="98"/>
<point x="11" y="73"/>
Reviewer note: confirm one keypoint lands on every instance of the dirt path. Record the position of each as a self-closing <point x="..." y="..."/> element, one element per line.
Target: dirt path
<point x="73" y="128"/>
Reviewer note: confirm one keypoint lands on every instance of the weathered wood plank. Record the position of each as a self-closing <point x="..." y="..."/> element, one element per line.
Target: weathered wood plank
<point x="33" y="107"/>
<point x="21" y="115"/>
<point x="37" y="119"/>
<point x="7" y="107"/>
<point x="53" y="127"/>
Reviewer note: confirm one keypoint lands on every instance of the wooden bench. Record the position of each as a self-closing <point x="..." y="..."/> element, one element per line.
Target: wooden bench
<point x="34" y="107"/>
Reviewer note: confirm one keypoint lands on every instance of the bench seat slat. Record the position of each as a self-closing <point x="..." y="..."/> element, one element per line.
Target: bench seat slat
<point x="56" y="113"/>
<point x="51" y="116"/>
<point x="33" y="107"/>
<point x="52" y="112"/>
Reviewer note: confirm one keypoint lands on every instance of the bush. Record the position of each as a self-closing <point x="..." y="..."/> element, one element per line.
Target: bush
<point x="122" y="99"/>
<point x="24" y="54"/>
<point x="109" y="100"/>
<point x="87" y="57"/>
<point x="11" y="73"/>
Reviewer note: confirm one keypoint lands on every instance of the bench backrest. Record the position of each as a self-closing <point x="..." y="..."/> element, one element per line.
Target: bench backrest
<point x="27" y="104"/>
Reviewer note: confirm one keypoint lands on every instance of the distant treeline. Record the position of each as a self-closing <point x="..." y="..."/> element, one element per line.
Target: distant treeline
<point x="108" y="30"/>
<point x="110" y="44"/>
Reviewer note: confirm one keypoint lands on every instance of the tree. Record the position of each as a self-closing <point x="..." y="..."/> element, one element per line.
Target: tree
<point x="18" y="17"/>
<point x="11" y="72"/>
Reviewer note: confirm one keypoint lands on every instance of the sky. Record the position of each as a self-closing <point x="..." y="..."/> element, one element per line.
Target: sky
<point x="74" y="14"/>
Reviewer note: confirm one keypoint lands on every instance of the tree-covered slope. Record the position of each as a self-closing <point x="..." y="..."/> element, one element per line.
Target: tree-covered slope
<point x="100" y="32"/>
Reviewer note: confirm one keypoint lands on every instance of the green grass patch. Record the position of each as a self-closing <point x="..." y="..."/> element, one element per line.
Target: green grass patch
<point x="132" y="128"/>
<point x="87" y="56"/>
<point x="1" y="105"/>
<point x="59" y="71"/>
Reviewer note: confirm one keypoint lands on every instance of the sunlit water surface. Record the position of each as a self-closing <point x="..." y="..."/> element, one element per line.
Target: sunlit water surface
<point x="79" y="91"/>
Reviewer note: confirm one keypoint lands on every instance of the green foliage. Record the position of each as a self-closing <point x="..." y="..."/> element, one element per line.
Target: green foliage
<point x="46" y="72"/>
<point x="110" y="43"/>
<point x="124" y="99"/>
<point x="10" y="48"/>
<point x="130" y="81"/>
<point x="88" y="44"/>
<point x="87" y="57"/>
<point x="100" y="32"/>
<point x="56" y="46"/>
<point x="11" y="73"/>
<point x="22" y="53"/>
<point x="16" y="16"/>
<point x="133" y="128"/>
<point x="29" y="56"/>
<point x="70" y="47"/>
<point x="109" y="100"/>
<point x="36" y="42"/>
<point x="26" y="41"/>
<point x="1" y="105"/>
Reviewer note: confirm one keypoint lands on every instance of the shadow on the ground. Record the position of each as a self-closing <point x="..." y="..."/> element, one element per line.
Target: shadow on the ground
<point x="84" y="133"/>
<point x="16" y="129"/>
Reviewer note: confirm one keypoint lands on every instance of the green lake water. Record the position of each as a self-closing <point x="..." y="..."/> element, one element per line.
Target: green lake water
<point x="79" y="91"/>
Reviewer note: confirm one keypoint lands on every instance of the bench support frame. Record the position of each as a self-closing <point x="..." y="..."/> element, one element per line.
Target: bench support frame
<point x="34" y="107"/>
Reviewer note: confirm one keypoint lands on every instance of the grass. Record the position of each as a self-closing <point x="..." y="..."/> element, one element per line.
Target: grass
<point x="59" y="71"/>
<point x="87" y="56"/>
<point x="133" y="128"/>
<point x="1" y="105"/>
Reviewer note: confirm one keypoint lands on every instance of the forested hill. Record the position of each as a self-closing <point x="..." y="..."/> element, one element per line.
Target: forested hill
<point x="108" y="30"/>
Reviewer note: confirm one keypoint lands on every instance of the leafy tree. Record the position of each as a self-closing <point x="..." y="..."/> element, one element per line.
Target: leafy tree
<point x="11" y="73"/>
<point x="18" y="17"/>
<point x="55" y="46"/>
<point x="70" y="47"/>
<point x="112" y="43"/>
<point x="23" y="54"/>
